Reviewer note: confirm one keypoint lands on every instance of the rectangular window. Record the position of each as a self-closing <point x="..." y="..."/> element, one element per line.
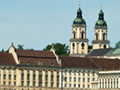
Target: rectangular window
<point x="4" y="83"/>
<point x="52" y="84"/>
<point x="83" y="79"/>
<point x="88" y="80"/>
<point x="74" y="79"/>
<point x="33" y="76"/>
<point x="14" y="83"/>
<point x="46" y="78"/>
<point x="9" y="83"/>
<point x="51" y="77"/>
<point x="28" y="77"/>
<point x="34" y="84"/>
<point x="4" y="76"/>
<point x="9" y="77"/>
<point x="74" y="85"/>
<point x="57" y="78"/>
<point x="46" y="84"/>
<point x="40" y="84"/>
<point x="14" y="77"/>
<point x="40" y="77"/>
<point x="28" y="83"/>
<point x="22" y="83"/>
<point x="57" y="85"/>
<point x="70" y="79"/>
<point x="22" y="76"/>
<point x="78" y="79"/>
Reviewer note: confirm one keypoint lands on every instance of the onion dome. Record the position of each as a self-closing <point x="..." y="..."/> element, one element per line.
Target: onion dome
<point x="101" y="22"/>
<point x="79" y="21"/>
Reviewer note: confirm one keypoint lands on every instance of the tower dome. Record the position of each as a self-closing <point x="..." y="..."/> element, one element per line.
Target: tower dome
<point x="79" y="21"/>
<point x="101" y="22"/>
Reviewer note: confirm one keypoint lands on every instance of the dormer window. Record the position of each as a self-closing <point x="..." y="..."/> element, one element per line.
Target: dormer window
<point x="51" y="64"/>
<point x="28" y="62"/>
<point x="39" y="62"/>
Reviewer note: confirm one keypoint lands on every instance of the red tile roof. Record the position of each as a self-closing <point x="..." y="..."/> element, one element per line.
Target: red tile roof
<point x="33" y="57"/>
<point x="77" y="62"/>
<point x="34" y="61"/>
<point x="84" y="62"/>
<point x="35" y="53"/>
<point x="107" y="63"/>
<point x="7" y="59"/>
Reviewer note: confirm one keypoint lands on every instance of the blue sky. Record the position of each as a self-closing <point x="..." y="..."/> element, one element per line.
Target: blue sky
<point x="37" y="23"/>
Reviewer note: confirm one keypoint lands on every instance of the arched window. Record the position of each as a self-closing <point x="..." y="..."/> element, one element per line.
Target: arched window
<point x="104" y="35"/>
<point x="104" y="46"/>
<point x="96" y="36"/>
<point x="74" y="35"/>
<point x="82" y="35"/>
<point x="82" y="45"/>
<point x="73" y="46"/>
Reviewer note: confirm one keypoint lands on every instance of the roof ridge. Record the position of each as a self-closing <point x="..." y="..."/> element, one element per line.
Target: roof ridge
<point x="95" y="63"/>
<point x="34" y="50"/>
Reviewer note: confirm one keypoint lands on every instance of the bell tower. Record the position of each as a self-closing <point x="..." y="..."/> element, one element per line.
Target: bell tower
<point x="101" y="41"/>
<point x="78" y="42"/>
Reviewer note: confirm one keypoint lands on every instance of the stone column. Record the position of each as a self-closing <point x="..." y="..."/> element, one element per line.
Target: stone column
<point x="67" y="79"/>
<point x="86" y="80"/>
<point x="2" y="76"/>
<point x="63" y="79"/>
<point x="25" y="77"/>
<point x="107" y="83"/>
<point x="31" y="78"/>
<point x="113" y="82"/>
<point x="101" y="83"/>
<point x="55" y="79"/>
<point x="77" y="79"/>
<point x="110" y="83"/>
<point x="7" y="77"/>
<point x="72" y="77"/>
<point x="104" y="83"/>
<point x="37" y="78"/>
<point x="18" y="77"/>
<point x="43" y="79"/>
<point x="81" y="79"/>
<point x="60" y="78"/>
<point x="12" y="78"/>
<point x="49" y="78"/>
<point x="119" y="82"/>
<point x="90" y="80"/>
<point x="96" y="76"/>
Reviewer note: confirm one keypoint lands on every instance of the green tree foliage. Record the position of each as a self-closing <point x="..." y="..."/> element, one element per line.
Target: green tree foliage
<point x="117" y="45"/>
<point x="20" y="47"/>
<point x="89" y="48"/>
<point x="61" y="49"/>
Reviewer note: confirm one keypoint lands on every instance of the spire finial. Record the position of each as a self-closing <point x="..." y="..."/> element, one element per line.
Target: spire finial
<point x="101" y="6"/>
<point x="79" y="4"/>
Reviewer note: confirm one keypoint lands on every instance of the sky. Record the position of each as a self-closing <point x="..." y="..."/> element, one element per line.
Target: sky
<point x="37" y="23"/>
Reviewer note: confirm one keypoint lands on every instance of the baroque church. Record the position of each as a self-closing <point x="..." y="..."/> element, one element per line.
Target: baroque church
<point x="45" y="70"/>
<point x="79" y="42"/>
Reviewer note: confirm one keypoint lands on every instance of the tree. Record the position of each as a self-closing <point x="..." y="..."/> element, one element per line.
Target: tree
<point x="20" y="47"/>
<point x="117" y="45"/>
<point x="89" y="48"/>
<point x="61" y="49"/>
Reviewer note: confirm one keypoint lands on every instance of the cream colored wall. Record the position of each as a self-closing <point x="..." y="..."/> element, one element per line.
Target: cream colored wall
<point x="97" y="46"/>
<point x="78" y="31"/>
<point x="100" y="34"/>
<point x="18" y="72"/>
<point x="78" y="48"/>
<point x="12" y="51"/>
